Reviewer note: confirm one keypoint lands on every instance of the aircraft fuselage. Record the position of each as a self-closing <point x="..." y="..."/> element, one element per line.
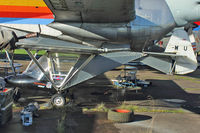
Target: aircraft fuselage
<point x="152" y="22"/>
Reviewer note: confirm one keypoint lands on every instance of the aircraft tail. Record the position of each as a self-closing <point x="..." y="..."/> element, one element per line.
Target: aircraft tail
<point x="180" y="44"/>
<point x="178" y="57"/>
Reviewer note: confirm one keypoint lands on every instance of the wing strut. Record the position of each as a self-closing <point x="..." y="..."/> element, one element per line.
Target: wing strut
<point x="40" y="67"/>
<point x="74" y="71"/>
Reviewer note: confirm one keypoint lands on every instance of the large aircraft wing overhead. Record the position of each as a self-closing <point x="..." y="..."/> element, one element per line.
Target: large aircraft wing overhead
<point x="92" y="10"/>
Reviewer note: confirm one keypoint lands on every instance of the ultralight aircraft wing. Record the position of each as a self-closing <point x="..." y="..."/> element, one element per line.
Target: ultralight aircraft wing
<point x="61" y="46"/>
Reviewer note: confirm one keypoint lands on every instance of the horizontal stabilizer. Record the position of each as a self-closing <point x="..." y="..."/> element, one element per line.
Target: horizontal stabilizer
<point x="178" y="57"/>
<point x="163" y="54"/>
<point x="161" y="63"/>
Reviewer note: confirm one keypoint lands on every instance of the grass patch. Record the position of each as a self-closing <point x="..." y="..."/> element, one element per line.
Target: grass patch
<point x="194" y="80"/>
<point x="191" y="89"/>
<point x="157" y="77"/>
<point x="15" y="107"/>
<point x="99" y="108"/>
<point x="44" y="108"/>
<point x="23" y="52"/>
<point x="144" y="109"/>
<point x="41" y="52"/>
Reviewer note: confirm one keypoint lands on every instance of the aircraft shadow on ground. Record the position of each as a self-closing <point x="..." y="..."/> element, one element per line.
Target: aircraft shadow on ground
<point x="100" y="90"/>
<point x="195" y="74"/>
<point x="96" y="91"/>
<point x="93" y="92"/>
<point x="91" y="95"/>
<point x="167" y="89"/>
<point x="54" y="121"/>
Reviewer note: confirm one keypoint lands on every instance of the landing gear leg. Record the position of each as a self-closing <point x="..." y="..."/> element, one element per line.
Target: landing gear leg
<point x="16" y="94"/>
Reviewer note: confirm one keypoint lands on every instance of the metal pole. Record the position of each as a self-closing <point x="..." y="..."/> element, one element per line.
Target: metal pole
<point x="76" y="71"/>
<point x="40" y="67"/>
<point x="31" y="61"/>
<point x="58" y="63"/>
<point x="11" y="62"/>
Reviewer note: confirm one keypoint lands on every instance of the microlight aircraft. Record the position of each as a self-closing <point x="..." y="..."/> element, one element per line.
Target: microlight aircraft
<point x="85" y="38"/>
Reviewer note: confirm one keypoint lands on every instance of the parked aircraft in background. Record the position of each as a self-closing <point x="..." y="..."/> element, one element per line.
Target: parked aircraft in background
<point x="183" y="44"/>
<point x="196" y="38"/>
<point x="97" y="36"/>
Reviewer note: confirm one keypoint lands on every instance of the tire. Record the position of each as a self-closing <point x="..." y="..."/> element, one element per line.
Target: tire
<point x="58" y="100"/>
<point x="120" y="115"/>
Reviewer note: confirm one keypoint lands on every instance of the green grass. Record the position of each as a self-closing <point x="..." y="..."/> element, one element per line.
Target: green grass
<point x="101" y="108"/>
<point x="15" y="107"/>
<point x="175" y="77"/>
<point x="194" y="80"/>
<point x="144" y="109"/>
<point x="22" y="51"/>
<point x="191" y="89"/>
<point x="41" y="52"/>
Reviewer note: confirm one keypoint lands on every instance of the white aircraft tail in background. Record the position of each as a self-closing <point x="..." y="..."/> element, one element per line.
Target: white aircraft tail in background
<point x="178" y="57"/>
<point x="180" y="44"/>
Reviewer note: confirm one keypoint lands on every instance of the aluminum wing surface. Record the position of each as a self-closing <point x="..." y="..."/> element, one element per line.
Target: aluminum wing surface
<point x="106" y="11"/>
<point x="53" y="45"/>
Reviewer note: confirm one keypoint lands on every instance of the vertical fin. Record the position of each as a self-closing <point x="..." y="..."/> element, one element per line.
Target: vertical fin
<point x="180" y="44"/>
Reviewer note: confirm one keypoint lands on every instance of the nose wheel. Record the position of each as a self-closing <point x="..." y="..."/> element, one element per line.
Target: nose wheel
<point x="58" y="100"/>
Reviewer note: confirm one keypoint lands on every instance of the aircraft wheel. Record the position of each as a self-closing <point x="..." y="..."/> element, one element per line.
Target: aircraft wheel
<point x="58" y="100"/>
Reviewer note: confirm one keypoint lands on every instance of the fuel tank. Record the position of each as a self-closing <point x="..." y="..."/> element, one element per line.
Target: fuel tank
<point x="24" y="81"/>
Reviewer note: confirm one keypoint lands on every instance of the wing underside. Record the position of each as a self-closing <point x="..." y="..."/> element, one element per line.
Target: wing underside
<point x="59" y="46"/>
<point x="92" y="10"/>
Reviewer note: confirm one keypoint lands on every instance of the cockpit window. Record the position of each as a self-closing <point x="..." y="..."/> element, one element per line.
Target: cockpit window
<point x="34" y="70"/>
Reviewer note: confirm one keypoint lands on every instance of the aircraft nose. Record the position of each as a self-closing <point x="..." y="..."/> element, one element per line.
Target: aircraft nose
<point x="19" y="80"/>
<point x="11" y="79"/>
<point x="193" y="12"/>
<point x="198" y="2"/>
